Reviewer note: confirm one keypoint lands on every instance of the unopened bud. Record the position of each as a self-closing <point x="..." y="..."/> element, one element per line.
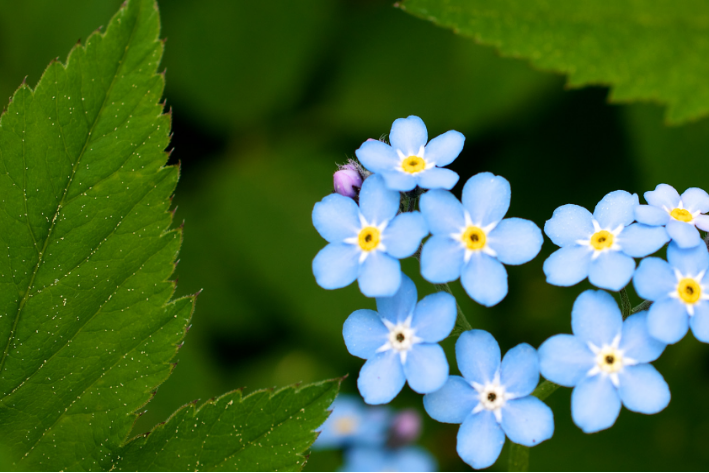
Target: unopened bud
<point x="405" y="428"/>
<point x="347" y="181"/>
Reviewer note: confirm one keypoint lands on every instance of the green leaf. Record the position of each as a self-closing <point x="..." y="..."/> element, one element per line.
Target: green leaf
<point x="264" y="431"/>
<point x="646" y="51"/>
<point x="87" y="328"/>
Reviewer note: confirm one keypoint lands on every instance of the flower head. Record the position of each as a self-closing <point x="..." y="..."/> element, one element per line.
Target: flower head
<point x="347" y="180"/>
<point x="492" y="399"/>
<point x="405" y="427"/>
<point x="400" y="343"/>
<point x="680" y="291"/>
<point x="681" y="215"/>
<point x="353" y="423"/>
<point x="409" y="162"/>
<point x="409" y="458"/>
<point x="365" y="242"/>
<point x="472" y="241"/>
<point x="599" y="246"/>
<point x="606" y="360"/>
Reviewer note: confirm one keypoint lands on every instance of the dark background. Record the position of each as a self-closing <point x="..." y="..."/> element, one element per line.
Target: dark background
<point x="269" y="96"/>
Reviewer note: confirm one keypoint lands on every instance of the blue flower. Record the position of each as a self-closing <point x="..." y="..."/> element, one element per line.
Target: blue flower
<point x="680" y="291"/>
<point x="680" y="214"/>
<point x="409" y="161"/>
<point x="385" y="459"/>
<point x="400" y="343"/>
<point x="366" y="242"/>
<point x="492" y="399"/>
<point x="353" y="423"/>
<point x="599" y="246"/>
<point x="606" y="360"/>
<point x="471" y="241"/>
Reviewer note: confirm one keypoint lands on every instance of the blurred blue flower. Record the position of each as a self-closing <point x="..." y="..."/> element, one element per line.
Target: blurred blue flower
<point x="680" y="291"/>
<point x="353" y="423"/>
<point x="606" y="360"/>
<point x="681" y="215"/>
<point x="471" y="241"/>
<point x="599" y="246"/>
<point x="409" y="161"/>
<point x="492" y="399"/>
<point x="384" y="459"/>
<point x="400" y="343"/>
<point x="366" y="242"/>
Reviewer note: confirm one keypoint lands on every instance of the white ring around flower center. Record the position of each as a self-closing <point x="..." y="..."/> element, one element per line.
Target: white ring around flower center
<point x="610" y="360"/>
<point x="492" y="397"/>
<point x="602" y="239"/>
<point x="480" y="235"/>
<point x="402" y="337"/>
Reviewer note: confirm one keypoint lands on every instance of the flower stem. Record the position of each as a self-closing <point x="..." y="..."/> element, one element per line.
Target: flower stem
<point x="625" y="306"/>
<point x="461" y="321"/>
<point x="644" y="305"/>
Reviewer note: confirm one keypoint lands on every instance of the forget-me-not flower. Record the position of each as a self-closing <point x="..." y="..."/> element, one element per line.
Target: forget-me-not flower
<point x="366" y="242"/>
<point x="681" y="215"/>
<point x="472" y="241"/>
<point x="599" y="246"/>
<point x="400" y="343"/>
<point x="353" y="423"/>
<point x="411" y="458"/>
<point x="680" y="291"/>
<point x="409" y="162"/>
<point x="606" y="361"/>
<point x="492" y="399"/>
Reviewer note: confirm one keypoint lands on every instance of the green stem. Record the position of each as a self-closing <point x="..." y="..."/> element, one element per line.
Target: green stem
<point x="625" y="306"/>
<point x="644" y="305"/>
<point x="461" y="321"/>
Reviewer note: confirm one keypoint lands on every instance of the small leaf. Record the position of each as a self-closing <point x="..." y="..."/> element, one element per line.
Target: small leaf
<point x="646" y="51"/>
<point x="264" y="431"/>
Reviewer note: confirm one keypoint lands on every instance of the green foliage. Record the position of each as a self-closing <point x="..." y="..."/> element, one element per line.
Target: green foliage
<point x="649" y="51"/>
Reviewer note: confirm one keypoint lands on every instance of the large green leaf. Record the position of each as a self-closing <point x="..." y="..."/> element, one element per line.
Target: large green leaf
<point x="648" y="51"/>
<point x="87" y="328"/>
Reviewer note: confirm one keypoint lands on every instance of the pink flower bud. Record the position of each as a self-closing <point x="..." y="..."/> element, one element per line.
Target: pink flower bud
<point x="346" y="180"/>
<point x="405" y="428"/>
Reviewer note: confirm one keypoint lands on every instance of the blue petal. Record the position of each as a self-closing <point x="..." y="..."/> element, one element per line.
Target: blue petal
<point x="381" y="378"/>
<point x="567" y="266"/>
<point x="638" y="240"/>
<point x="596" y="318"/>
<point x="344" y="407"/>
<point x="689" y="261"/>
<point x="702" y="222"/>
<point x="408" y="135"/>
<point x="336" y="217"/>
<point x="650" y="215"/>
<point x="568" y="224"/>
<point x="365" y="458"/>
<point x="441" y="259"/>
<point x="616" y="209"/>
<point x="453" y="402"/>
<point x="700" y="321"/>
<point x="565" y="360"/>
<point x="336" y="265"/>
<point x="397" y="308"/>
<point x="399" y="181"/>
<point x="484" y="279"/>
<point x="379" y="275"/>
<point x="668" y="320"/>
<point x="480" y="440"/>
<point x="595" y="404"/>
<point x="377" y="203"/>
<point x="364" y="333"/>
<point x="527" y="421"/>
<point x="402" y="237"/>
<point x="611" y="270"/>
<point x="444" y="148"/>
<point x="434" y="317"/>
<point x="442" y="211"/>
<point x="684" y="234"/>
<point x="486" y="197"/>
<point x="426" y="368"/>
<point x="636" y="342"/>
<point x="478" y="356"/>
<point x="437" y="178"/>
<point x="519" y="372"/>
<point x="663" y="196"/>
<point x="642" y="389"/>
<point x="377" y="156"/>
<point x="412" y="458"/>
<point x="695" y="199"/>
<point x="654" y="279"/>
<point x="515" y="240"/>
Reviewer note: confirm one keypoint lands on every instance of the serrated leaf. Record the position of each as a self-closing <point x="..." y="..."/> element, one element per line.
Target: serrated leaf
<point x="646" y="51"/>
<point x="264" y="431"/>
<point x="87" y="329"/>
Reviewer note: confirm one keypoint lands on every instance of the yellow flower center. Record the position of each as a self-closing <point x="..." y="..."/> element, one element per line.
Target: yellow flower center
<point x="413" y="164"/>
<point x="602" y="239"/>
<point x="689" y="290"/>
<point x="474" y="238"/>
<point x="345" y="425"/>
<point x="682" y="215"/>
<point x="369" y="238"/>
<point x="609" y="360"/>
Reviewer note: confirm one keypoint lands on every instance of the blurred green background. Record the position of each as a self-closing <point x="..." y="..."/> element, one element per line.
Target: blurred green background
<point x="269" y="96"/>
